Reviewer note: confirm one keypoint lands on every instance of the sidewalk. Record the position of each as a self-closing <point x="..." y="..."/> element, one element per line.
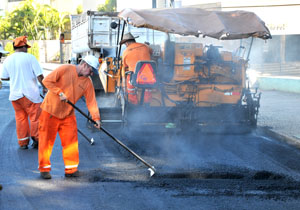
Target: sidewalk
<point x="279" y="106"/>
<point x="281" y="83"/>
<point x="279" y="115"/>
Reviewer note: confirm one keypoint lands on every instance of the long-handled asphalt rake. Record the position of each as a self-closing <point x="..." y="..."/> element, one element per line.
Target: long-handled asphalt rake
<point x="91" y="141"/>
<point x="150" y="168"/>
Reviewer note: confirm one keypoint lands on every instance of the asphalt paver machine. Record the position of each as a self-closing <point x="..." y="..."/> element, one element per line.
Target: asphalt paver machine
<point x="199" y="84"/>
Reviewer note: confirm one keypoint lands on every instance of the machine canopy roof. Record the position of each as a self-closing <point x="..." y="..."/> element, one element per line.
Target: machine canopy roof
<point x="199" y="22"/>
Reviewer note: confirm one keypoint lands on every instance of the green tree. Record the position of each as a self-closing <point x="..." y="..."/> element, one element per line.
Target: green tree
<point x="109" y="6"/>
<point x="46" y="22"/>
<point x="34" y="20"/>
<point x="19" y="21"/>
<point x="79" y="9"/>
<point x="4" y="28"/>
<point x="63" y="23"/>
<point x="9" y="48"/>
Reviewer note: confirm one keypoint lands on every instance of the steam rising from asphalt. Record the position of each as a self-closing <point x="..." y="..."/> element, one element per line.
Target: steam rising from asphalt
<point x="176" y="150"/>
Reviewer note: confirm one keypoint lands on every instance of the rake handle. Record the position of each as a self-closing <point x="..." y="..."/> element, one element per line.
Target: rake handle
<point x="111" y="136"/>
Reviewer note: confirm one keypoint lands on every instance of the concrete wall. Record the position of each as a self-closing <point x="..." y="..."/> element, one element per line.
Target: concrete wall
<point x="49" y="50"/>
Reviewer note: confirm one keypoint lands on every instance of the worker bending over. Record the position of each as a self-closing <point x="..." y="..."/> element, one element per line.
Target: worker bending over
<point x="66" y="83"/>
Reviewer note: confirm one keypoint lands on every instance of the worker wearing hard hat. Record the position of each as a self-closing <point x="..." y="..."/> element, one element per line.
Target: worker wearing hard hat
<point x="23" y="70"/>
<point x="133" y="53"/>
<point x="66" y="83"/>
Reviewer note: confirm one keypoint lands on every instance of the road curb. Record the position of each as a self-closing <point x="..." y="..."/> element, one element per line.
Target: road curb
<point x="281" y="137"/>
<point x="279" y="83"/>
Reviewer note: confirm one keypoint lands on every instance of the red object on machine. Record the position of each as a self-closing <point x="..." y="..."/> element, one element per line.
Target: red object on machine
<point x="146" y="75"/>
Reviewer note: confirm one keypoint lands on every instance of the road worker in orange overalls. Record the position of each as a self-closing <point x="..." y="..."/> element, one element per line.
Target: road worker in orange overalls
<point x="23" y="70"/>
<point x="67" y="82"/>
<point x="133" y="53"/>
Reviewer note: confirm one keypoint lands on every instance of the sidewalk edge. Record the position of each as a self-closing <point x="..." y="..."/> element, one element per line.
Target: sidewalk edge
<point x="278" y="136"/>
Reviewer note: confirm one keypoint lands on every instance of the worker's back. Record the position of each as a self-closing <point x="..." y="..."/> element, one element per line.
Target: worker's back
<point x="134" y="53"/>
<point x="22" y="69"/>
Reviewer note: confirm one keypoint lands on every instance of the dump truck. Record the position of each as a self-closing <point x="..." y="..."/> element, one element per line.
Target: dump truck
<point x="199" y="62"/>
<point x="91" y="34"/>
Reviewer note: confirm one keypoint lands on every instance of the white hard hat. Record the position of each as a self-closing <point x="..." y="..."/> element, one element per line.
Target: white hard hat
<point x="93" y="62"/>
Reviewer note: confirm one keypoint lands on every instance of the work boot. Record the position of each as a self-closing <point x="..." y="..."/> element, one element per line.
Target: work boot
<point x="24" y="147"/>
<point x="75" y="174"/>
<point x="35" y="144"/>
<point x="45" y="175"/>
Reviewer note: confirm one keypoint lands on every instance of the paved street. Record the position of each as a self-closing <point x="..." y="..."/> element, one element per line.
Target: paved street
<point x="251" y="171"/>
<point x="199" y="104"/>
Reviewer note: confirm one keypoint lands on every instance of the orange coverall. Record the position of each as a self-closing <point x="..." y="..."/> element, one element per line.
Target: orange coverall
<point x="59" y="116"/>
<point x="133" y="53"/>
<point x="25" y="108"/>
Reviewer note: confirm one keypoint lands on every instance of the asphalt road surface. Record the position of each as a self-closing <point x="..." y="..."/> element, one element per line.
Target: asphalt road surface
<point x="249" y="171"/>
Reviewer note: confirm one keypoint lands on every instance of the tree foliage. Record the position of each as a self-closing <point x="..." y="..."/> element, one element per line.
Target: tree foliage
<point x="109" y="6"/>
<point x="34" y="20"/>
<point x="9" y="48"/>
<point x="79" y="9"/>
